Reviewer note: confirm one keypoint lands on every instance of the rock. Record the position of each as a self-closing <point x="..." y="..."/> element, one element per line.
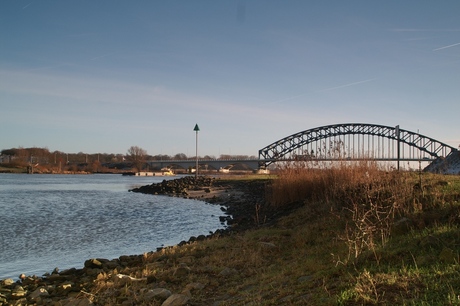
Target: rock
<point x="182" y="270"/>
<point x="268" y="245"/>
<point x="56" y="277"/>
<point x="63" y="289"/>
<point x="176" y="299"/>
<point x="305" y="278"/>
<point x="178" y="186"/>
<point x="111" y="265"/>
<point x="131" y="260"/>
<point x="7" y="282"/>
<point x="187" y="293"/>
<point x="194" y="286"/>
<point x="227" y="272"/>
<point x="39" y="292"/>
<point x="157" y="294"/>
<point x="93" y="263"/>
<point x="93" y="272"/>
<point x="69" y="271"/>
<point x="29" y="280"/>
<point x="192" y="239"/>
<point x="18" y="292"/>
<point x="66" y="285"/>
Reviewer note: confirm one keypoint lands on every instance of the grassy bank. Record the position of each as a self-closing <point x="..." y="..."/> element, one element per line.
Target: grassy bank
<point x="361" y="235"/>
<point x="355" y="235"/>
<point x="380" y="237"/>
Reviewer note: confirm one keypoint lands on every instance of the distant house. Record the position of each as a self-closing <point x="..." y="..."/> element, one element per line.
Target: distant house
<point x="5" y="158"/>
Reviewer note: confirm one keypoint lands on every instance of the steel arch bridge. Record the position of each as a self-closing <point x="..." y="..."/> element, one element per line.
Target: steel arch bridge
<point x="354" y="141"/>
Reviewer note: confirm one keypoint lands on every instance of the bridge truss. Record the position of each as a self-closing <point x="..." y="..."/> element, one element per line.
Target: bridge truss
<point x="354" y="141"/>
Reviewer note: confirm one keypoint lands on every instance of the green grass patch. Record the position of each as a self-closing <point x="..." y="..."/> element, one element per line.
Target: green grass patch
<point x="362" y="236"/>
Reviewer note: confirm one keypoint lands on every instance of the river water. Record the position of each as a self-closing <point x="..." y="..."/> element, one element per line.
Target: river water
<point x="49" y="221"/>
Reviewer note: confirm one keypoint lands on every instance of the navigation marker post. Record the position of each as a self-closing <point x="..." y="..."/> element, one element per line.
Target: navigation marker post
<point x="398" y="137"/>
<point x="196" y="129"/>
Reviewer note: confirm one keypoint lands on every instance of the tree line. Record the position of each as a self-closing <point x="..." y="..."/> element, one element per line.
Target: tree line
<point x="135" y="157"/>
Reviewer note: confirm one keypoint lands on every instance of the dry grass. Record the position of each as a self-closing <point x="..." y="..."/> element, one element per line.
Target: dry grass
<point x="370" y="206"/>
<point x="367" y="199"/>
<point x="340" y="247"/>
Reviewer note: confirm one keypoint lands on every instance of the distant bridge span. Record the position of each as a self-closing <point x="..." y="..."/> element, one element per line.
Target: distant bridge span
<point x="354" y="141"/>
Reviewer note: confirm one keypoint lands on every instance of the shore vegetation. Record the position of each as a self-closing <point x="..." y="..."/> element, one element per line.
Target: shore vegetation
<point x="341" y="234"/>
<point x="355" y="234"/>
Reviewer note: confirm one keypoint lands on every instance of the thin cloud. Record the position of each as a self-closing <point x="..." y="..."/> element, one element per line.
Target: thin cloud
<point x="324" y="90"/>
<point x="409" y="30"/>
<point x="445" y="47"/>
<point x="26" y="6"/>
<point x="348" y="85"/>
<point x="116" y="93"/>
<point x="423" y="30"/>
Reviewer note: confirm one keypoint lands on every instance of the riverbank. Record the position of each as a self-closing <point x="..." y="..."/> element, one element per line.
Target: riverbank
<point x="235" y="196"/>
<point x="242" y="197"/>
<point x="295" y="240"/>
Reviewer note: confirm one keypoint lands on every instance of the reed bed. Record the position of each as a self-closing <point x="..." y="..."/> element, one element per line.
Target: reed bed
<point x="367" y="198"/>
<point x="382" y="216"/>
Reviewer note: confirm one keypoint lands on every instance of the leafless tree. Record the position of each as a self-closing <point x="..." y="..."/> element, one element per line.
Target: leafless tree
<point x="180" y="156"/>
<point x="137" y="156"/>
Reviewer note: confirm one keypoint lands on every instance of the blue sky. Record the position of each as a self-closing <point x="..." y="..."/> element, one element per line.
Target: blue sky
<point x="100" y="76"/>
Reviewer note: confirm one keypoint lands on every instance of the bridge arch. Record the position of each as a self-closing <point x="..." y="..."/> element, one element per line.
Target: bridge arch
<point x="343" y="137"/>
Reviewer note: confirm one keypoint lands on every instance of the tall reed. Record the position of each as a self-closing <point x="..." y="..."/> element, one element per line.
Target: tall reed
<point x="365" y="197"/>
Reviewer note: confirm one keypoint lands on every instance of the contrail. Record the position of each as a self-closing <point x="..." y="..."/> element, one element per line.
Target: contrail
<point x="347" y="85"/>
<point x="26" y="6"/>
<point x="327" y="89"/>
<point x="445" y="47"/>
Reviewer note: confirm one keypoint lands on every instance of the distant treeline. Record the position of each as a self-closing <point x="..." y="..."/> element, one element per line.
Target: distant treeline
<point x="87" y="162"/>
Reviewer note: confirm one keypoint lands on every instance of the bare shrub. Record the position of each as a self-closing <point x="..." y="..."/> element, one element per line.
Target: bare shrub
<point x="365" y="197"/>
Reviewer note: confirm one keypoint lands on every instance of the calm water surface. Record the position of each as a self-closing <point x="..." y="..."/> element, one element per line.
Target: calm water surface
<point x="49" y="221"/>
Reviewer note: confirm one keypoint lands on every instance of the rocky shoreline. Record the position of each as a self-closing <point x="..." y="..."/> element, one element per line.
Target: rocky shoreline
<point x="242" y="200"/>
